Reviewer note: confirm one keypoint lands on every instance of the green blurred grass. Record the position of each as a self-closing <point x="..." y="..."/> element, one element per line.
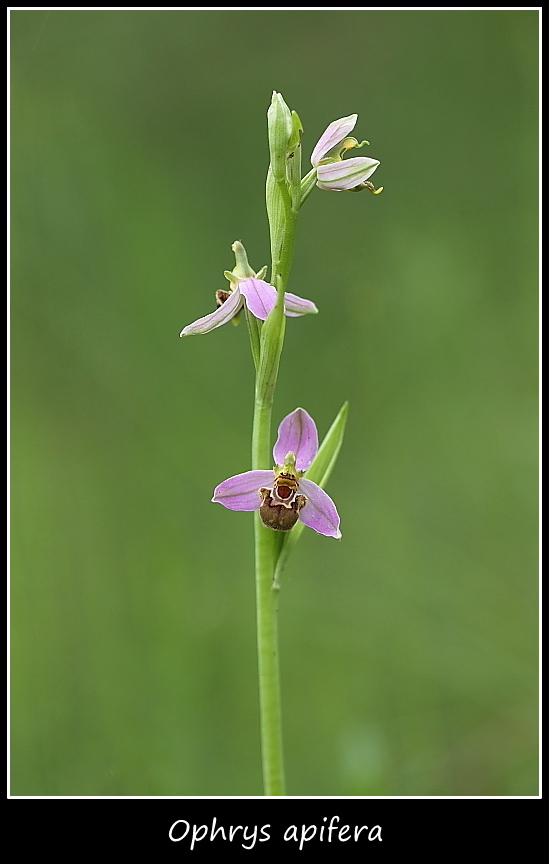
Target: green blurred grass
<point x="409" y="650"/>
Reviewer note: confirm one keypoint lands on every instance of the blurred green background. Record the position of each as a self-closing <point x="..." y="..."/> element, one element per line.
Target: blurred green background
<point x="408" y="650"/>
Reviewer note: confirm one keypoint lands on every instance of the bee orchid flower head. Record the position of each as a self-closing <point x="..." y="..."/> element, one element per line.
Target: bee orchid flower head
<point x="334" y="173"/>
<point x="284" y="495"/>
<point x="246" y="287"/>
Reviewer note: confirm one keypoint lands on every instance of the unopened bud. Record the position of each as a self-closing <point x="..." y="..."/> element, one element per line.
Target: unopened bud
<point x="280" y="127"/>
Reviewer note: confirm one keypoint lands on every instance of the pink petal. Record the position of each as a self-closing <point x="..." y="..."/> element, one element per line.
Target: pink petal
<point x="319" y="513"/>
<point x="241" y="492"/>
<point x="260" y="296"/>
<point x="297" y="432"/>
<point x="226" y="311"/>
<point x="295" y="306"/>
<point x="345" y="174"/>
<point x="336" y="132"/>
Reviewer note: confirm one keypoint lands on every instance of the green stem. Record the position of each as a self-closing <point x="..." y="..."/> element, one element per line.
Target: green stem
<point x="266" y="540"/>
<point x="267" y="651"/>
<point x="266" y="595"/>
<point x="266" y="604"/>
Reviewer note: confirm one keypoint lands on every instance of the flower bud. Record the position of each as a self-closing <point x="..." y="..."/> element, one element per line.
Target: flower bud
<point x="332" y="171"/>
<point x="281" y="128"/>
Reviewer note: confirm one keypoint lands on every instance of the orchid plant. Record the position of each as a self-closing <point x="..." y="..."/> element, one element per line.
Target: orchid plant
<point x="291" y="495"/>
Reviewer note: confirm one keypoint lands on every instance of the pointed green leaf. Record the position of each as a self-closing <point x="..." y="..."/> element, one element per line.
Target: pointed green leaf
<point x="271" y="341"/>
<point x="307" y="185"/>
<point x="276" y="215"/>
<point x="322" y="465"/>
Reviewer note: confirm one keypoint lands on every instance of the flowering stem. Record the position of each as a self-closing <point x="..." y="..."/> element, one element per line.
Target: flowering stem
<point x="266" y="604"/>
<point x="267" y="541"/>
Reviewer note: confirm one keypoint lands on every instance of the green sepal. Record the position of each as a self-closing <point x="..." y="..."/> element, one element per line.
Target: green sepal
<point x="228" y="274"/>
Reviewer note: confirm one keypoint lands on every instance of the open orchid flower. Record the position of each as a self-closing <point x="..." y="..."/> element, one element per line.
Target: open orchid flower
<point x="334" y="173"/>
<point x="259" y="297"/>
<point x="283" y="495"/>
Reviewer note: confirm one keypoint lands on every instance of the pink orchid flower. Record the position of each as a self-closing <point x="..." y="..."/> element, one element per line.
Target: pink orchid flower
<point x="284" y="495"/>
<point x="332" y="171"/>
<point x="259" y="297"/>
